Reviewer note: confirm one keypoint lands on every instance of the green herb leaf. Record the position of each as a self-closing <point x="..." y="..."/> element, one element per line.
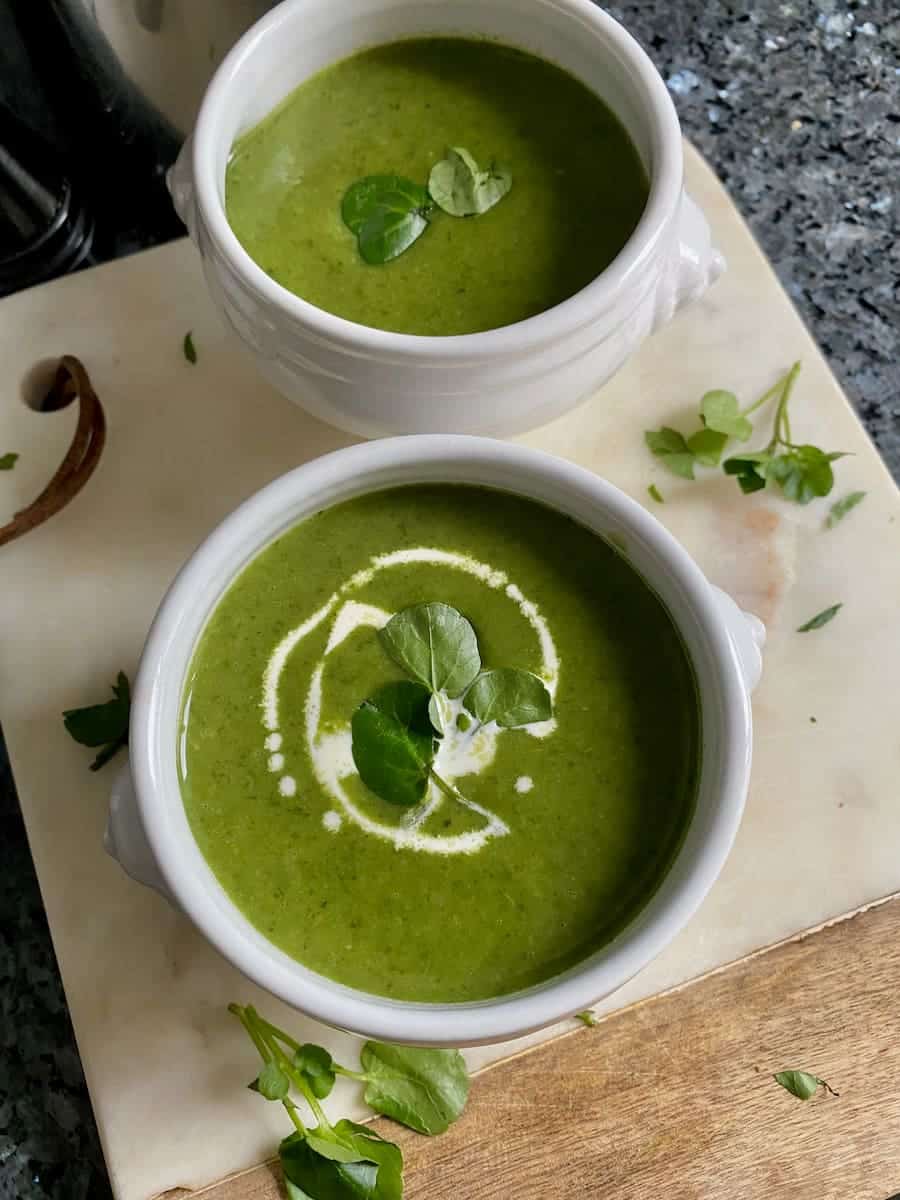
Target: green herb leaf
<point x="435" y="644"/>
<point x="672" y="450"/>
<point x="586" y="1018"/>
<point x="508" y="696"/>
<point x="803" y="473"/>
<point x="8" y="461"/>
<point x="348" y="1162"/>
<point x="271" y="1082"/>
<point x="459" y="186"/>
<point x="841" y="507"/>
<point x="707" y="445"/>
<point x="820" y="619"/>
<point x="656" y="494"/>
<point x="801" y="1084"/>
<point x="103" y="725"/>
<point x="387" y="213"/>
<point x="750" y="470"/>
<point x="316" y="1066"/>
<point x="719" y="411"/>
<point x="190" y="352"/>
<point x="394" y="742"/>
<point x="423" y="1089"/>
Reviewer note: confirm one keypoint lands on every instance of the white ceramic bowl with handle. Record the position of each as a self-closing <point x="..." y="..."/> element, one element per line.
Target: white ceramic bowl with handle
<point x="503" y="381"/>
<point x="149" y="832"/>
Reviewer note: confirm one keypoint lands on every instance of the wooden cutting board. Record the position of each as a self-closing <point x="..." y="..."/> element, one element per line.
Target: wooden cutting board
<point x="185" y="445"/>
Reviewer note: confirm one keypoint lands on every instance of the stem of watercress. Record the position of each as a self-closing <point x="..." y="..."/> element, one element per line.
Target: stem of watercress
<point x="782" y="430"/>
<point x="447" y="788"/>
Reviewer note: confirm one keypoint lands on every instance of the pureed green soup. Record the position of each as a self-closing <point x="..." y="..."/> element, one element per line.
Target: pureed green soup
<point x="578" y="188"/>
<point x="565" y="828"/>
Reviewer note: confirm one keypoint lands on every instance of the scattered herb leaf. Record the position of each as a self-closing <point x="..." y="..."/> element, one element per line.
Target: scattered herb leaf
<point x="841" y="507"/>
<point x="8" y="461"/>
<point x="803" y="473"/>
<point x="707" y="445"/>
<point x="271" y="1082"/>
<point x="424" y="1089"/>
<point x="436" y="645"/>
<point x="316" y="1065"/>
<point x="820" y="619"/>
<point x="459" y="186"/>
<point x="672" y="450"/>
<point x="801" y="1084"/>
<point x="394" y="742"/>
<point x="655" y="494"/>
<point x="341" y="1162"/>
<point x="103" y="725"/>
<point x="508" y="696"/>
<point x="190" y="352"/>
<point x="387" y="213"/>
<point x="719" y="412"/>
<point x="750" y="470"/>
<point x="586" y="1018"/>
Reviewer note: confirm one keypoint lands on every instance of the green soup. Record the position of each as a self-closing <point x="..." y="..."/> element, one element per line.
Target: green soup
<point x="567" y="826"/>
<point x="578" y="191"/>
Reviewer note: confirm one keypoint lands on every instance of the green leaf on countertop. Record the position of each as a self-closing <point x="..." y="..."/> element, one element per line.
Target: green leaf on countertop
<point x="655" y="494"/>
<point x="707" y="445"/>
<point x="461" y="188"/>
<point x="103" y="725"/>
<point x="801" y="1084"/>
<point x="190" y="352"/>
<point x="435" y="644"/>
<point x="587" y="1018"/>
<point x="672" y="450"/>
<point x="803" y="472"/>
<point x="510" y="697"/>
<point x="750" y="469"/>
<point x="271" y="1082"/>
<point x="421" y="1088"/>
<point x="344" y="1162"/>
<point x="842" y="507"/>
<point x="393" y="742"/>
<point x="719" y="412"/>
<point x="316" y="1066"/>
<point x="8" y="461"/>
<point x="820" y="619"/>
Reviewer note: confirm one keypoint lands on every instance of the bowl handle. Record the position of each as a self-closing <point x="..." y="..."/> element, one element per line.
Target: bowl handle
<point x="180" y="182"/>
<point x="125" y="840"/>
<point x="748" y="634"/>
<point x="693" y="265"/>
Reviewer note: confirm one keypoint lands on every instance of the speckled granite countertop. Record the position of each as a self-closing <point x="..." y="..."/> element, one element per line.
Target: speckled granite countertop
<point x="797" y="106"/>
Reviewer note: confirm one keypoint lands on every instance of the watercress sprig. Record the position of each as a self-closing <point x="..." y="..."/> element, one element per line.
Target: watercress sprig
<point x="425" y="1090"/>
<point x="396" y="733"/>
<point x="104" y="725"/>
<point x="802" y="1084"/>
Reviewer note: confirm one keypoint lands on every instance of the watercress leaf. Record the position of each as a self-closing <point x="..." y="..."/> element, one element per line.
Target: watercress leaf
<point x="459" y="186"/>
<point x="435" y="644"/>
<point x="387" y="213"/>
<point x="656" y="494"/>
<point x="423" y="1089"/>
<point x="719" y="412"/>
<point x="187" y="346"/>
<point x="99" y="724"/>
<point x="272" y="1082"/>
<point x="317" y="1068"/>
<point x="388" y="1156"/>
<point x="508" y="696"/>
<point x="803" y="473"/>
<point x="8" y="461"/>
<point x="586" y="1018"/>
<point x="312" y="1175"/>
<point x="707" y="445"/>
<point x="802" y="1084"/>
<point x="393" y="742"/>
<point x="820" y="619"/>
<point x="672" y="450"/>
<point x="841" y="507"/>
<point x="437" y="714"/>
<point x="750" y="469"/>
<point x="388" y="232"/>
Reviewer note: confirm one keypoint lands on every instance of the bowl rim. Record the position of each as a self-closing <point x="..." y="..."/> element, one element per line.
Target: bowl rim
<point x="164" y="663"/>
<point x="580" y="309"/>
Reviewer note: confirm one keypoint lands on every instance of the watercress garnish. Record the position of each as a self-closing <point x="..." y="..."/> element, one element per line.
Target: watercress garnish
<point x="435" y="644"/>
<point x="188" y="348"/>
<point x="841" y="507"/>
<point x="103" y="725"/>
<point x="425" y="1090"/>
<point x="801" y="1084"/>
<point x="508" y="696"/>
<point x="387" y="213"/>
<point x="395" y="733"/>
<point x="820" y="619"/>
<point x="316" y="1066"/>
<point x="461" y="188"/>
<point x="587" y="1018"/>
<point x="802" y="471"/>
<point x="655" y="494"/>
<point x="8" y="461"/>
<point x="394" y="742"/>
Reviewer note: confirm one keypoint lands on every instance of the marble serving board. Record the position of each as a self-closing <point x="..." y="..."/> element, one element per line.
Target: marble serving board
<point x="165" y="1064"/>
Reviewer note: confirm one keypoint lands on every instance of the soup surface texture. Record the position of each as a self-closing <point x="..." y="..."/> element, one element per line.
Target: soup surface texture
<point x="564" y="828"/>
<point x="578" y="189"/>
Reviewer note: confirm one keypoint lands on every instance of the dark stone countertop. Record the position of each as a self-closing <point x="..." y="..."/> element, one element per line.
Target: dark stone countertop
<point x="797" y="106"/>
